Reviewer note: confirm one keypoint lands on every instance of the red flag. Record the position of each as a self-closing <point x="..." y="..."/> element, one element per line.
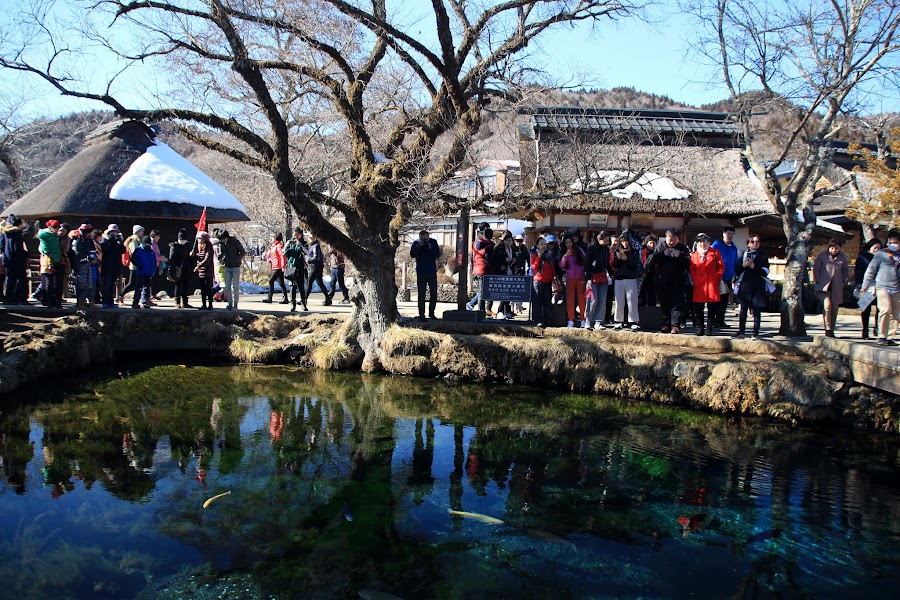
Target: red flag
<point x="201" y="224"/>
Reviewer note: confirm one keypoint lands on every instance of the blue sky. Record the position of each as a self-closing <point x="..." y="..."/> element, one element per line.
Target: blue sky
<point x="650" y="58"/>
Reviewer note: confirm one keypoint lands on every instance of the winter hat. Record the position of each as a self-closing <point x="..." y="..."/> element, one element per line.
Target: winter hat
<point x="519" y="237"/>
<point x="146" y="241"/>
<point x="112" y="227"/>
<point x="550" y="239"/>
<point x="182" y="235"/>
<point x="52" y="223"/>
<point x="137" y="229"/>
<point x="86" y="228"/>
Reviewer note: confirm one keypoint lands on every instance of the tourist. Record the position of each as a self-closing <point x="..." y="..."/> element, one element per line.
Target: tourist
<point x="275" y="257"/>
<point x="572" y="266"/>
<point x="729" y="252"/>
<point x="181" y="269"/>
<point x="84" y="265"/>
<point x="482" y="253"/>
<point x="426" y="252"/>
<point x="611" y="290"/>
<point x="544" y="271"/>
<point x="520" y="265"/>
<point x="156" y="279"/>
<point x="751" y="271"/>
<point x="830" y="270"/>
<point x="131" y="244"/>
<point x="503" y="263"/>
<point x="204" y="269"/>
<point x="110" y="264"/>
<point x="295" y="268"/>
<point x="859" y="272"/>
<point x="884" y="272"/>
<point x="65" y="250"/>
<point x="15" y="260"/>
<point x="706" y="270"/>
<point x="628" y="269"/>
<point x="315" y="262"/>
<point x="338" y="265"/>
<point x="144" y="260"/>
<point x="98" y="246"/>
<point x="647" y="296"/>
<point x="232" y="256"/>
<point x="558" y="292"/>
<point x="597" y="272"/>
<point x="51" y="267"/>
<point x="670" y="262"/>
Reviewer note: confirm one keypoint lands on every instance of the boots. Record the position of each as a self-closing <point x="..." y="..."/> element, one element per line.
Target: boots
<point x="285" y="300"/>
<point x="267" y="300"/>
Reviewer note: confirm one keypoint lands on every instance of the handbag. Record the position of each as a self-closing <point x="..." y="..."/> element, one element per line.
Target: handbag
<point x="174" y="273"/>
<point x="737" y="284"/>
<point x="770" y="287"/>
<point x="289" y="271"/>
<point x="723" y="288"/>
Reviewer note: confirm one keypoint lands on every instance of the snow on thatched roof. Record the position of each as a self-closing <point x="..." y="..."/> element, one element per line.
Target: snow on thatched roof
<point x="715" y="181"/>
<point x="83" y="186"/>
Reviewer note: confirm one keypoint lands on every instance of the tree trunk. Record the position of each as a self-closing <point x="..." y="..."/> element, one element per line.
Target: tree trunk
<point x="288" y="220"/>
<point x="375" y="309"/>
<point x="792" y="314"/>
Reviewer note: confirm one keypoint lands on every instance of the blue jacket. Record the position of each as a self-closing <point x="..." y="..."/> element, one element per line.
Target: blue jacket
<point x="144" y="259"/>
<point x="729" y="254"/>
<point x="426" y="260"/>
<point x="884" y="271"/>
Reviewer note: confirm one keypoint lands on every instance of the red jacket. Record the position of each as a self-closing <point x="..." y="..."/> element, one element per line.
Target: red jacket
<point x="275" y="256"/>
<point x="543" y="273"/>
<point x="706" y="273"/>
<point x="481" y="257"/>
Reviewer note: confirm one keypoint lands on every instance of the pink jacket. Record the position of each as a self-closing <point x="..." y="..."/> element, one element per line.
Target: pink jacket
<point x="275" y="256"/>
<point x="572" y="270"/>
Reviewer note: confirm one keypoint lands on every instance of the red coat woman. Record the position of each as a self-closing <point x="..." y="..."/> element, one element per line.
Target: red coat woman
<point x="706" y="270"/>
<point x="706" y="273"/>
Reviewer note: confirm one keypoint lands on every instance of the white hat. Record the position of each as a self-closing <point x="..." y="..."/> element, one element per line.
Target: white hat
<point x="519" y="237"/>
<point x="136" y="229"/>
<point x="112" y="227"/>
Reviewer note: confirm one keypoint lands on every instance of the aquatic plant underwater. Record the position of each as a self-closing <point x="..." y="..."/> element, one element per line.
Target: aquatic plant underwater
<point x="300" y="484"/>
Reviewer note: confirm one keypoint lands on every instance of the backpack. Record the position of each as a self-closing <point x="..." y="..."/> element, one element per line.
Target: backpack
<point x="126" y="256"/>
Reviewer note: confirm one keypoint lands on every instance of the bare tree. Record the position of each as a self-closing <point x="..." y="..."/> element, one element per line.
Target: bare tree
<point x="819" y="60"/>
<point x="393" y="95"/>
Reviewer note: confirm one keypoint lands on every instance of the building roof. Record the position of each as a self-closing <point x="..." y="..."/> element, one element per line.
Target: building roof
<point x="716" y="179"/>
<point x="718" y="128"/>
<point x="82" y="186"/>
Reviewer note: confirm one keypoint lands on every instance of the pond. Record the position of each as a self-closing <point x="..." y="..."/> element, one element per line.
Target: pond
<point x="346" y="485"/>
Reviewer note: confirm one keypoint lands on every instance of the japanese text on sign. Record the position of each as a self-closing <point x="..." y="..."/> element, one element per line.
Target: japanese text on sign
<point x="506" y="288"/>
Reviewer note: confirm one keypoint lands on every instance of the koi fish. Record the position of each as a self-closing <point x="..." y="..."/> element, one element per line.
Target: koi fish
<point x="475" y="517"/>
<point x="376" y="595"/>
<point x="216" y="497"/>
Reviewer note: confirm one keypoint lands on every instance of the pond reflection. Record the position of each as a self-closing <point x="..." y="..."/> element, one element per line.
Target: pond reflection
<point x="351" y="485"/>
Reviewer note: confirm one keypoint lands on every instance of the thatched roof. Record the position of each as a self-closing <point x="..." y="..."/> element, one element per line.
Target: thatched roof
<point x="716" y="178"/>
<point x="82" y="186"/>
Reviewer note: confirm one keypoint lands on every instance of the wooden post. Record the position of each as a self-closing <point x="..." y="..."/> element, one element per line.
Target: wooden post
<point x="462" y="286"/>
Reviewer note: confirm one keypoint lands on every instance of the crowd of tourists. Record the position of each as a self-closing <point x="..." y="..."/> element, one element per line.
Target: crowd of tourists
<point x="604" y="282"/>
<point x="103" y="266"/>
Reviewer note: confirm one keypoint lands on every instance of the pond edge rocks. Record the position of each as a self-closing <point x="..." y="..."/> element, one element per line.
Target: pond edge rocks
<point x="751" y="377"/>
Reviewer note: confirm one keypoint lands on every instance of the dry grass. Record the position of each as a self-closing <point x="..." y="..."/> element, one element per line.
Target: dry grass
<point x="249" y="351"/>
<point x="333" y="354"/>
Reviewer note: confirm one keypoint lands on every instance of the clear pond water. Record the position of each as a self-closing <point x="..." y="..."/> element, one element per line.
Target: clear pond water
<point x="343" y="486"/>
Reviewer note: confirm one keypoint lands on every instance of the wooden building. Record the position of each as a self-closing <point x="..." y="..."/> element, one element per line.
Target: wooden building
<point x="648" y="170"/>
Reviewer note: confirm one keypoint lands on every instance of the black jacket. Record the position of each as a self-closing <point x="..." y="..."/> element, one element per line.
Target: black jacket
<point x="670" y="270"/>
<point x="113" y="249"/>
<point x="232" y="252"/>
<point x="14" y="255"/>
<point x="180" y="255"/>
<point x="630" y="268"/>
<point x="752" y="290"/>
<point x="597" y="260"/>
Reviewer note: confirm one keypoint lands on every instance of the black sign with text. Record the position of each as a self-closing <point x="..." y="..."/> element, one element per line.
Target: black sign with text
<point x="506" y="288"/>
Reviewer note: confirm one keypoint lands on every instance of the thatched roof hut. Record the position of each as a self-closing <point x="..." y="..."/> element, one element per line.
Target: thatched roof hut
<point x="157" y="187"/>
